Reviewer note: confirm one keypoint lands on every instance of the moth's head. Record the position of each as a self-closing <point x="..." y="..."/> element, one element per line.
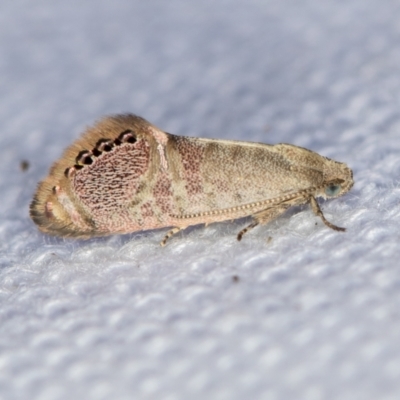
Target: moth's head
<point x="338" y="179"/>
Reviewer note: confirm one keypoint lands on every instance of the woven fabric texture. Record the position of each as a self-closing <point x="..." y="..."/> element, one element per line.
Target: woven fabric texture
<point x="293" y="311"/>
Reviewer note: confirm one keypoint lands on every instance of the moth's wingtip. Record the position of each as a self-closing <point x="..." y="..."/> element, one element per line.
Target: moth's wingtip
<point x="47" y="223"/>
<point x="37" y="212"/>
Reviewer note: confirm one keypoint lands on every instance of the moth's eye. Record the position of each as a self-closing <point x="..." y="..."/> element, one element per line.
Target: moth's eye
<point x="333" y="190"/>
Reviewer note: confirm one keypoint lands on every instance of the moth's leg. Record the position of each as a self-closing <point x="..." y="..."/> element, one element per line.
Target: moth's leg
<point x="318" y="212"/>
<point x="263" y="217"/>
<point x="248" y="228"/>
<point x="169" y="234"/>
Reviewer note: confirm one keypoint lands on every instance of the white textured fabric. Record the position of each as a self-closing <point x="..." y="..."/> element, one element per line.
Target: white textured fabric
<point x="311" y="314"/>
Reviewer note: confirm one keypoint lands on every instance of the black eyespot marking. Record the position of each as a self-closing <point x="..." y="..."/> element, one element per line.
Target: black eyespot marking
<point x="84" y="157"/>
<point x="122" y="134"/>
<point x="104" y="145"/>
<point x="127" y="137"/>
<point x="96" y="152"/>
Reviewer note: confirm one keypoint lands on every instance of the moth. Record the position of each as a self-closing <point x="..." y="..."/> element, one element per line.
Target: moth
<point x="126" y="175"/>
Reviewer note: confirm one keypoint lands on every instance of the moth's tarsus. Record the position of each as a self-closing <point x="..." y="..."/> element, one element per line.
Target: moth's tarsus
<point x="169" y="234"/>
<point x="318" y="212"/>
<point x="245" y="230"/>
